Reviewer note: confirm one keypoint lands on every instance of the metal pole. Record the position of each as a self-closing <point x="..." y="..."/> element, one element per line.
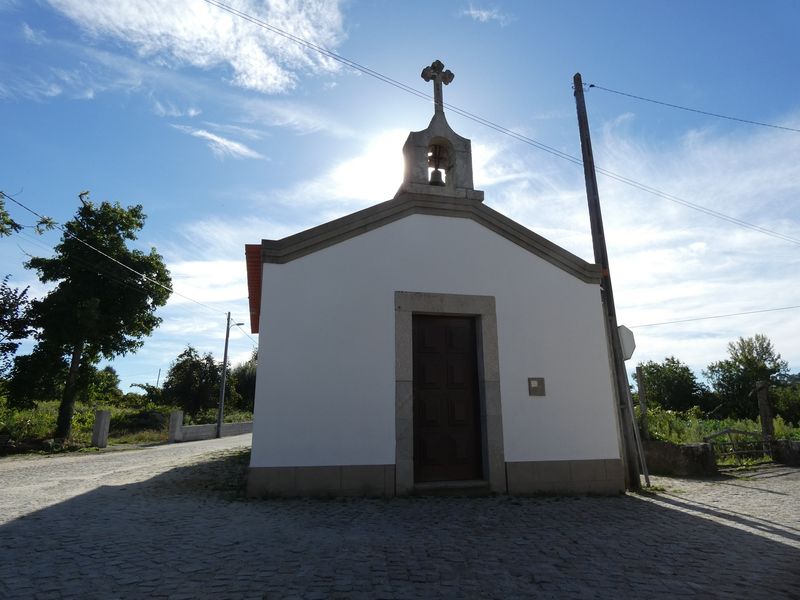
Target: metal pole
<point x="630" y="433"/>
<point x="223" y="378"/>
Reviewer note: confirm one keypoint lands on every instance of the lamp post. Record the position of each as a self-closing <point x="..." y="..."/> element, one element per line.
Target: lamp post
<point x="224" y="377"/>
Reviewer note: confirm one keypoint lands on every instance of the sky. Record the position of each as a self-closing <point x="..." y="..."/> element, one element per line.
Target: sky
<point x="227" y="133"/>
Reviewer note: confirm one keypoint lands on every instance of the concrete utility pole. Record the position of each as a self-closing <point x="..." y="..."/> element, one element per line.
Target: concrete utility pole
<point x="224" y="377"/>
<point x="630" y="434"/>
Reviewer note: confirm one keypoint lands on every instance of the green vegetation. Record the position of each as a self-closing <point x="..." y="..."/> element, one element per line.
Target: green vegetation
<point x="690" y="427"/>
<point x="672" y="386"/>
<point x="100" y="305"/>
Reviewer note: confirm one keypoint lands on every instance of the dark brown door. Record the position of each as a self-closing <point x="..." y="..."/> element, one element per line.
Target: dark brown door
<point x="447" y="438"/>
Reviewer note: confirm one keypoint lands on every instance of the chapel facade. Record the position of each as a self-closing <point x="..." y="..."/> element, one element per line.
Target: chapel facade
<point x="429" y="342"/>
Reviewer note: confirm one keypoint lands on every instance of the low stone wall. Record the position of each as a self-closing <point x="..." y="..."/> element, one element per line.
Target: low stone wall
<point x="178" y="432"/>
<point x="689" y="460"/>
<point x="786" y="452"/>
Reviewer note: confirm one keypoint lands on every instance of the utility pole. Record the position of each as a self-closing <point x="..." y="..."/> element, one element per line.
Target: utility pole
<point x="630" y="437"/>
<point x="221" y="410"/>
<point x="224" y="377"/>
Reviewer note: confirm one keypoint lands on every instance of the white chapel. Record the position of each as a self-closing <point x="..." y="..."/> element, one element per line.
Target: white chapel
<point x="429" y="343"/>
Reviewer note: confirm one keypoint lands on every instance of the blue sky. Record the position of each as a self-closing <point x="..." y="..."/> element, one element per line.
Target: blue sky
<point x="228" y="134"/>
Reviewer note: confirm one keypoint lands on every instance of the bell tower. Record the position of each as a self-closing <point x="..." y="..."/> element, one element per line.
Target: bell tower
<point x="438" y="161"/>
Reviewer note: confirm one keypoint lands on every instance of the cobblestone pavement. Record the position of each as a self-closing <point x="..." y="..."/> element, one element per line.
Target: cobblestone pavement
<point x="164" y="522"/>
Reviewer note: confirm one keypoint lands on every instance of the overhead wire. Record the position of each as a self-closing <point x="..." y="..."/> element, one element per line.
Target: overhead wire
<point x="688" y="109"/>
<point x="736" y="314"/>
<point x="499" y="128"/>
<point x="106" y="255"/>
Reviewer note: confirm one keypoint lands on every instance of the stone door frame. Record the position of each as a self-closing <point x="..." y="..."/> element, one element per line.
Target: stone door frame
<point x="483" y="309"/>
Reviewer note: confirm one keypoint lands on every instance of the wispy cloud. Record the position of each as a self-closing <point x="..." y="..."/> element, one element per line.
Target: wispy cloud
<point x="668" y="261"/>
<point x="33" y="36"/>
<point x="247" y="132"/>
<point x="168" y="109"/>
<point x="183" y="32"/>
<point x="220" y="146"/>
<point x="487" y="15"/>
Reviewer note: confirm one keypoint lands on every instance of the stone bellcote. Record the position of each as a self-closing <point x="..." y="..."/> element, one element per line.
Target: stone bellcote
<point x="438" y="161"/>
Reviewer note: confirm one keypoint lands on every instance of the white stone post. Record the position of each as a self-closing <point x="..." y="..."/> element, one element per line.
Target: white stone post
<point x="102" y="420"/>
<point x="175" y="426"/>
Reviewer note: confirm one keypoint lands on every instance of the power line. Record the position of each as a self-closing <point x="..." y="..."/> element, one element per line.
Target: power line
<point x="737" y="314"/>
<point x="694" y="110"/>
<point x="499" y="128"/>
<point x="111" y="258"/>
<point x="247" y="334"/>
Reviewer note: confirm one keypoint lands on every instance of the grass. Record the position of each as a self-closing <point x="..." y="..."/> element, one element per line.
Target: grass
<point x="147" y="436"/>
<point x="31" y="430"/>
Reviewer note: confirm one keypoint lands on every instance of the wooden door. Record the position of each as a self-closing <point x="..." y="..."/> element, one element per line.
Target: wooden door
<point x="447" y="429"/>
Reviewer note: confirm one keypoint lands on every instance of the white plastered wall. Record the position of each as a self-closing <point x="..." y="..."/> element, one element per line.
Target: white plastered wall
<point x="325" y="391"/>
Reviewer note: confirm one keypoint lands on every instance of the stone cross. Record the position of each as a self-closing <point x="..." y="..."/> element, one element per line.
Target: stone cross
<point x="440" y="76"/>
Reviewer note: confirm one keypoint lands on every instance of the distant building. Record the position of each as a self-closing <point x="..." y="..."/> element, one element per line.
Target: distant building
<point x="429" y="342"/>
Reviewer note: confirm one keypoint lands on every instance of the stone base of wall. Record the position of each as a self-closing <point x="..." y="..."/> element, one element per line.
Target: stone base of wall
<point x="786" y="452"/>
<point x="346" y="480"/>
<point x="689" y="460"/>
<point x="601" y="476"/>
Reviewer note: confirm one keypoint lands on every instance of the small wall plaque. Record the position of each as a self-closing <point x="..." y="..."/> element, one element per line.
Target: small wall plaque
<point x="536" y="386"/>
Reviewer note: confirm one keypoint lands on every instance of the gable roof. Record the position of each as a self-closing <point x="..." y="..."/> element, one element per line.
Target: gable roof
<point x="403" y="205"/>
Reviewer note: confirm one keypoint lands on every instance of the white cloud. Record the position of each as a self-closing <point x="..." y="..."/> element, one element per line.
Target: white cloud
<point x="33" y="36"/>
<point x="372" y="176"/>
<point x="183" y="32"/>
<point x="248" y="132"/>
<point x="220" y="146"/>
<point x="485" y="15"/>
<point x="294" y="115"/>
<point x="168" y="109"/>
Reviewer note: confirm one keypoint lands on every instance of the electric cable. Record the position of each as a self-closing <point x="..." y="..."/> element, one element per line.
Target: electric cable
<point x="694" y="110"/>
<point x="499" y="128"/>
<point x="111" y="258"/>
<point x="737" y="314"/>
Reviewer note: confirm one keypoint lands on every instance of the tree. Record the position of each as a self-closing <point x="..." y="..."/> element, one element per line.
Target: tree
<point x="8" y="225"/>
<point x="103" y="304"/>
<point x="102" y="386"/>
<point x="35" y="377"/>
<point x="14" y="322"/>
<point x="733" y="380"/>
<point x="193" y="382"/>
<point x="671" y="384"/>
<point x="244" y="382"/>
<point x="786" y="399"/>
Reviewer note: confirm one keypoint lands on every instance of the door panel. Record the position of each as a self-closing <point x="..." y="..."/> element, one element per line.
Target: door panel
<point x="447" y="444"/>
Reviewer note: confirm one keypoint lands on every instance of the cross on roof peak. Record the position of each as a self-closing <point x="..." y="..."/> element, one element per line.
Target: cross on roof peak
<point x="439" y="76"/>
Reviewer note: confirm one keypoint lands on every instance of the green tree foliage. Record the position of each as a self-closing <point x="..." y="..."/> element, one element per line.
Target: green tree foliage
<point x="14" y="322"/>
<point x="102" y="387"/>
<point x="8" y="225"/>
<point x="786" y="399"/>
<point x="99" y="307"/>
<point x="243" y="377"/>
<point x="671" y="385"/>
<point x="36" y="377"/>
<point x="192" y="383"/>
<point x="733" y="380"/>
<point x="153" y="394"/>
